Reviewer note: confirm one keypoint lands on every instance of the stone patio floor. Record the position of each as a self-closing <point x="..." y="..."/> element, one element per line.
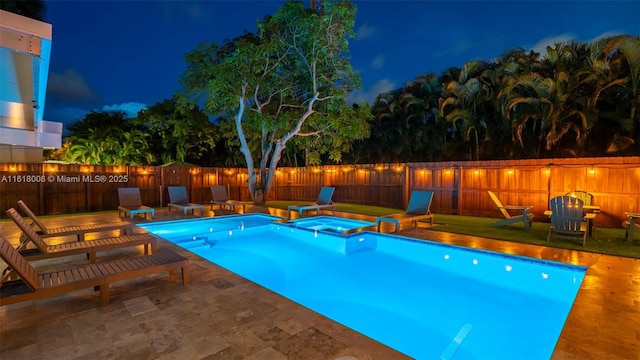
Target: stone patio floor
<point x="222" y="316"/>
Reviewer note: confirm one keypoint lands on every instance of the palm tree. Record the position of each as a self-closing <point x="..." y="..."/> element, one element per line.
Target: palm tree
<point x="621" y="50"/>
<point x="524" y="103"/>
<point x="461" y="100"/>
<point x="602" y="84"/>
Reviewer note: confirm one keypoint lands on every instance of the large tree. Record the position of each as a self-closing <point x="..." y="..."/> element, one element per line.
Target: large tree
<point x="287" y="81"/>
<point x="181" y="131"/>
<point x="106" y="138"/>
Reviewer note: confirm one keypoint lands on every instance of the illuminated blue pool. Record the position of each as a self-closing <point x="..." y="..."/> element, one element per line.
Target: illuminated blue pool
<point x="425" y="299"/>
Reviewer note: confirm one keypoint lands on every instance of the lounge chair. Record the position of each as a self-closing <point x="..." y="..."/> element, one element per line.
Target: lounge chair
<point x="130" y="203"/>
<point x="31" y="285"/>
<point x="418" y="209"/>
<point x="79" y="231"/>
<point x="221" y="198"/>
<point x="523" y="213"/>
<point x="45" y="251"/>
<point x="323" y="202"/>
<point x="178" y="199"/>
<point x="567" y="218"/>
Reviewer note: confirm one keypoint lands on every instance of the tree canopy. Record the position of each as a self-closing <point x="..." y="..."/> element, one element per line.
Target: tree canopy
<point x="578" y="99"/>
<point x="286" y="82"/>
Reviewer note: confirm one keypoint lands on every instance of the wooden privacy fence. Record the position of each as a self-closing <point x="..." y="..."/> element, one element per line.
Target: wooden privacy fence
<point x="459" y="187"/>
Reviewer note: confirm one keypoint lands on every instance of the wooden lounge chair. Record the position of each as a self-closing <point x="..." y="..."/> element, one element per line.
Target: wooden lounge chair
<point x="567" y="218"/>
<point x="523" y="213"/>
<point x="45" y="251"/>
<point x="178" y="199"/>
<point x="418" y="209"/>
<point x="131" y="203"/>
<point x="31" y="285"/>
<point x="221" y="198"/>
<point x="78" y="230"/>
<point x="323" y="202"/>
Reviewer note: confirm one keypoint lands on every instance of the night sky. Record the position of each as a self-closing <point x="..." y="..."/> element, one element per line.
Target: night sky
<point x="125" y="55"/>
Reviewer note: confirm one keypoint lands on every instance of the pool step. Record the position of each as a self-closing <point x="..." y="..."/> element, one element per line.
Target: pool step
<point x="455" y="343"/>
<point x="195" y="241"/>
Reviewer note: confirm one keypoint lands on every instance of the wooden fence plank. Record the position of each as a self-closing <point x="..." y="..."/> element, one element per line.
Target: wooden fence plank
<point x="459" y="187"/>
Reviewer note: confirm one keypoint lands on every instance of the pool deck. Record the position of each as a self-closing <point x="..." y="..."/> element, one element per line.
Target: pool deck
<point x="223" y="316"/>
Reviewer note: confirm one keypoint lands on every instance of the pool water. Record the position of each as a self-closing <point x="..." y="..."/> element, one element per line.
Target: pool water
<point x="192" y="229"/>
<point x="331" y="224"/>
<point x="425" y="299"/>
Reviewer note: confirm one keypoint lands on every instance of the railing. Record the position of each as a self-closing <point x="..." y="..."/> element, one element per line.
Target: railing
<point x="459" y="187"/>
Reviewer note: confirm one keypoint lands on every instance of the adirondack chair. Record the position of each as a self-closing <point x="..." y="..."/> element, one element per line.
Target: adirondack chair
<point x="587" y="198"/>
<point x="418" y="209"/>
<point x="567" y="218"/>
<point x="523" y="213"/>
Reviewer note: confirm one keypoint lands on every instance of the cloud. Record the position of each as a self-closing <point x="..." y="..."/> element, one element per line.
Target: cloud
<point x="604" y="35"/>
<point x="369" y="95"/>
<point x="130" y="108"/>
<point x="70" y="87"/>
<point x="68" y="114"/>
<point x="541" y="46"/>
<point x="378" y="62"/>
<point x="365" y="31"/>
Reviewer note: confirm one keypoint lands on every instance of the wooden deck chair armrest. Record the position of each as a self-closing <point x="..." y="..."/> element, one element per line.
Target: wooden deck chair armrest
<point x="516" y="207"/>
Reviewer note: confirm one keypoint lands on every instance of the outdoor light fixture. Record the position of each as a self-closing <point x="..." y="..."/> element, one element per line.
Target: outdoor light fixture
<point x="592" y="170"/>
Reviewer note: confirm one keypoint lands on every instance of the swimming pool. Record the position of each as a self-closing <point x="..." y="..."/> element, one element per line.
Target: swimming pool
<point x="331" y="224"/>
<point x="186" y="231"/>
<point x="425" y="299"/>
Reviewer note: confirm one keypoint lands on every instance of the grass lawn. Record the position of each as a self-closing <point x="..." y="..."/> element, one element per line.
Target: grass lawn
<point x="604" y="240"/>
